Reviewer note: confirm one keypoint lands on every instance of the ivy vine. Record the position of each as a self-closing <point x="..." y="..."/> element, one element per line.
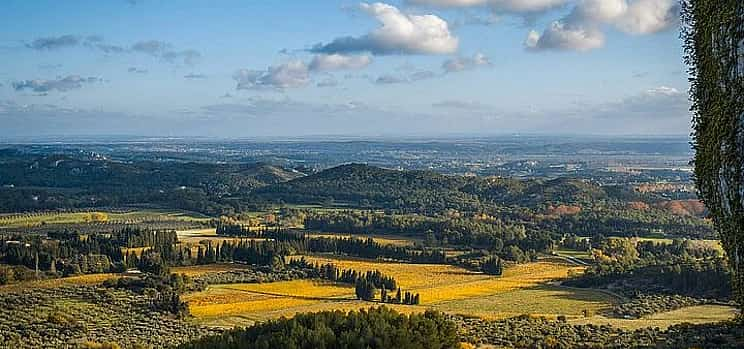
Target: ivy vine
<point x="713" y="35"/>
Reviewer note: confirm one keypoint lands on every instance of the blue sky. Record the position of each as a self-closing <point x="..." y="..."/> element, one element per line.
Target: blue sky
<point x="295" y="68"/>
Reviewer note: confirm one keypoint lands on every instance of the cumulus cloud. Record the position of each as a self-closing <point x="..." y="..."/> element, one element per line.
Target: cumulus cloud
<point x="329" y="62"/>
<point x="70" y="82"/>
<point x="465" y="63"/>
<point x="649" y="16"/>
<point x="563" y="36"/>
<point x="581" y="29"/>
<point x="54" y="42"/>
<point x="292" y="74"/>
<point x="399" y="33"/>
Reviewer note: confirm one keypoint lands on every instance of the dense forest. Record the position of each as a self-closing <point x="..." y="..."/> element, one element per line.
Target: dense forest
<point x="683" y="267"/>
<point x="376" y="328"/>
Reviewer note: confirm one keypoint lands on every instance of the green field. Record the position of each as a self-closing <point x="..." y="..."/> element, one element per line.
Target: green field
<point x="126" y="217"/>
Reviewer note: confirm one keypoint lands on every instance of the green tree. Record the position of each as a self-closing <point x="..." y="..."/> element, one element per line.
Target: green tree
<point x="714" y="39"/>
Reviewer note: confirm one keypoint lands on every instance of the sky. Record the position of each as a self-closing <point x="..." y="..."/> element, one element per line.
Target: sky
<point x="241" y="68"/>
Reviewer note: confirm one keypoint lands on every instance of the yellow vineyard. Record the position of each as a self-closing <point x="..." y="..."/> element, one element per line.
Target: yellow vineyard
<point x="522" y="289"/>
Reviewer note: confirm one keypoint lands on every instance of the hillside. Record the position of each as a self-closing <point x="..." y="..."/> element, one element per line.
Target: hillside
<point x="365" y="185"/>
<point x="50" y="182"/>
<point x="375" y="187"/>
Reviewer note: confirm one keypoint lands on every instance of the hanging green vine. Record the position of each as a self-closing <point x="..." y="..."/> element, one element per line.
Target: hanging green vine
<point x="713" y="33"/>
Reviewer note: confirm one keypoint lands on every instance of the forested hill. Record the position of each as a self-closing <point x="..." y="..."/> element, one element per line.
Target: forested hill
<point x="375" y="187"/>
<point x="362" y="185"/>
<point x="57" y="181"/>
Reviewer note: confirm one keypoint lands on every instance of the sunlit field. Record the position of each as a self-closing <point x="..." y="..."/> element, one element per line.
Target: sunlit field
<point x="442" y="287"/>
<point x="694" y="315"/>
<point x="131" y="217"/>
<point x="88" y="279"/>
<point x="523" y="289"/>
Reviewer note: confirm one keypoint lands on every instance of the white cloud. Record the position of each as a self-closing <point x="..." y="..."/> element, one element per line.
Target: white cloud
<point x="562" y="36"/>
<point x="328" y="62"/>
<point x="465" y="63"/>
<point x="399" y="33"/>
<point x="597" y="11"/>
<point x="287" y="75"/>
<point x="581" y="29"/>
<point x="649" y="16"/>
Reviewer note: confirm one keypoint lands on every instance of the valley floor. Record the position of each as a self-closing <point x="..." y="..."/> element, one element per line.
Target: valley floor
<point x="523" y="289"/>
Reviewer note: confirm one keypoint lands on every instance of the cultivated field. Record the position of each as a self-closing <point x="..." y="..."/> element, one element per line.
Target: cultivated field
<point x="80" y="280"/>
<point x="522" y="289"/>
<point x="22" y="220"/>
<point x="695" y="315"/>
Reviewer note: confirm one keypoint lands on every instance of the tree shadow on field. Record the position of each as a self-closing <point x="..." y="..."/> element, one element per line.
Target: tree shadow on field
<point x="579" y="294"/>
